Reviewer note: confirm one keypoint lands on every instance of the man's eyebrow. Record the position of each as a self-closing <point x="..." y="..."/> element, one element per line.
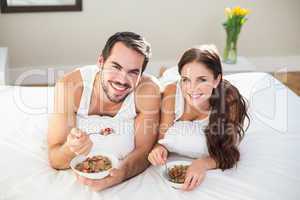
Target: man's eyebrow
<point x="135" y="70"/>
<point x="115" y="63"/>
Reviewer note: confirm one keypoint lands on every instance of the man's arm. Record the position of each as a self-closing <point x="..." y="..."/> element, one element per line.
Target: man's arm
<point x="64" y="140"/>
<point x="61" y="120"/>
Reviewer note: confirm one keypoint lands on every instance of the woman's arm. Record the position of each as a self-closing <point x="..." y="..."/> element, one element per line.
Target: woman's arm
<point x="159" y="154"/>
<point x="167" y="110"/>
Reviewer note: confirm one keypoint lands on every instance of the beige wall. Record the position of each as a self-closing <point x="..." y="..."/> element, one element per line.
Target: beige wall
<point x="72" y="38"/>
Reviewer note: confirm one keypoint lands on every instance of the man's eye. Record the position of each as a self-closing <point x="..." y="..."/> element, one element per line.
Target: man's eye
<point x="116" y="67"/>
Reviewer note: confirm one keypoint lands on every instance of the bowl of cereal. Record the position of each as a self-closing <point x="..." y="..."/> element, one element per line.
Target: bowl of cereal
<point x="175" y="173"/>
<point x="95" y="165"/>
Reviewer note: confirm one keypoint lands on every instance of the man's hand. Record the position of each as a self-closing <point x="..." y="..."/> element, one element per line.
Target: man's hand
<point x="79" y="142"/>
<point x="115" y="177"/>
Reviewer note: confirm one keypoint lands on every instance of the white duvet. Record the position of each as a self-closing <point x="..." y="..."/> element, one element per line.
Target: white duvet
<point x="269" y="166"/>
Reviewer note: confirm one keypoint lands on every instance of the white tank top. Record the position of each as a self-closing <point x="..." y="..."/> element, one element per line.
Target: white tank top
<point x="185" y="137"/>
<point x="121" y="141"/>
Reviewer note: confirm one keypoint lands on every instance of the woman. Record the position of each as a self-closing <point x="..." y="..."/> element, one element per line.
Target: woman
<point x="206" y="112"/>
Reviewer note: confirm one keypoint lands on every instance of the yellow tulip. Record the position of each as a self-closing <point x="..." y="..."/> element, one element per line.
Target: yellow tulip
<point x="228" y="12"/>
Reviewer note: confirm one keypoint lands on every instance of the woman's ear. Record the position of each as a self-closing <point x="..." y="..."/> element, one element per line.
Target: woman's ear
<point x="217" y="81"/>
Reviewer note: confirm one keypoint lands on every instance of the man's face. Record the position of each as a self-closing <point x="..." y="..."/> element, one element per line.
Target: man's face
<point x="120" y="72"/>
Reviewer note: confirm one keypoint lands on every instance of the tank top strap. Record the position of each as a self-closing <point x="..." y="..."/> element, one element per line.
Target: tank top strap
<point x="179" y="102"/>
<point x="88" y="74"/>
<point x="128" y="109"/>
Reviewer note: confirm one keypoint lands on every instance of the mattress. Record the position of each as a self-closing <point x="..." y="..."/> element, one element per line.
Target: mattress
<point x="269" y="166"/>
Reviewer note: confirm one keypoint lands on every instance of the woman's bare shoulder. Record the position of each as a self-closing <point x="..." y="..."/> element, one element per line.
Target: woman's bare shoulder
<point x="170" y="90"/>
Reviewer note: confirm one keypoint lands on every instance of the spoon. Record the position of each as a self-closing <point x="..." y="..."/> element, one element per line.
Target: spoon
<point x="105" y="131"/>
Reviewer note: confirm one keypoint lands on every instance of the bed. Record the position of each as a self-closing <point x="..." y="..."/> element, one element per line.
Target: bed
<point x="269" y="166"/>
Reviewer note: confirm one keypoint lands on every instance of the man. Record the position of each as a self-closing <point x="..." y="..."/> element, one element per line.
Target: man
<point x="120" y="76"/>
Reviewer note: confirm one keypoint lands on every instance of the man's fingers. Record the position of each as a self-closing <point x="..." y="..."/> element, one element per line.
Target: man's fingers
<point x="78" y="147"/>
<point x="99" y="185"/>
<point x="84" y="150"/>
<point x="76" y="132"/>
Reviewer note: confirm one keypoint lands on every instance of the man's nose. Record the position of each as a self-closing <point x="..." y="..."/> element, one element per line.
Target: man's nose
<point x="123" y="78"/>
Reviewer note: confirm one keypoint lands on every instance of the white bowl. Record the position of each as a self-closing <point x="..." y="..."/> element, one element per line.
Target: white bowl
<point x="99" y="175"/>
<point x="170" y="165"/>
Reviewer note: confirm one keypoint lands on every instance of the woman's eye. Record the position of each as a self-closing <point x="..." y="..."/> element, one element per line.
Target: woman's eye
<point x="184" y="80"/>
<point x="201" y="80"/>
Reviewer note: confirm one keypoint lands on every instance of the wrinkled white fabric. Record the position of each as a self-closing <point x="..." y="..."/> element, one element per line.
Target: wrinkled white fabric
<point x="269" y="166"/>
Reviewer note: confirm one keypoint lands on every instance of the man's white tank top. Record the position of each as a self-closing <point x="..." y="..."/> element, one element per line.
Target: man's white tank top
<point x="121" y="141"/>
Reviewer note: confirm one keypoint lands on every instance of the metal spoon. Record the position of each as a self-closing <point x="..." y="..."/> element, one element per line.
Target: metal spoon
<point x="103" y="132"/>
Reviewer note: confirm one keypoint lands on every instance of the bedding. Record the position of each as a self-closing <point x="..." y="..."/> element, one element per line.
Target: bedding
<point x="269" y="166"/>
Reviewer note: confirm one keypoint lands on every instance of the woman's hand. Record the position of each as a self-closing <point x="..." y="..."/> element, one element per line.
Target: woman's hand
<point x="158" y="155"/>
<point x="195" y="174"/>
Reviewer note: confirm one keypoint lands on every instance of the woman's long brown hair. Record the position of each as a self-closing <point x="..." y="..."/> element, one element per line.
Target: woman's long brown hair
<point x="225" y="129"/>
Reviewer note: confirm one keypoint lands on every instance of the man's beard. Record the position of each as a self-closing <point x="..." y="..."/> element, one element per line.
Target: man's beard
<point x="111" y="97"/>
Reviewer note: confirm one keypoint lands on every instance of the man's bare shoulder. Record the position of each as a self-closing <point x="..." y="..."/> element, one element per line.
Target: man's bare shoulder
<point x="73" y="77"/>
<point x="148" y="95"/>
<point x="69" y="88"/>
<point x="148" y="85"/>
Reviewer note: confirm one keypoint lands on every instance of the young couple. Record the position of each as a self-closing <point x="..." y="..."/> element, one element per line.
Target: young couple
<point x="115" y="94"/>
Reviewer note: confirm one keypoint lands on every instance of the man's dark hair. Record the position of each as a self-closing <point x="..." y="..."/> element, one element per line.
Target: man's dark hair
<point x="130" y="40"/>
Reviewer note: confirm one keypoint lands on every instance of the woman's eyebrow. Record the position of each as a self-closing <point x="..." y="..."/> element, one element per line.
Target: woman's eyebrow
<point x="184" y="77"/>
<point x="202" y="77"/>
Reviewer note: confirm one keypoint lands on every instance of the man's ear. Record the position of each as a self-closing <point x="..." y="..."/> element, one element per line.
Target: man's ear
<point x="100" y="61"/>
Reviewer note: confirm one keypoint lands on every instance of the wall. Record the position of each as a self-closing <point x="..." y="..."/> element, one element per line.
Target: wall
<point x="40" y="40"/>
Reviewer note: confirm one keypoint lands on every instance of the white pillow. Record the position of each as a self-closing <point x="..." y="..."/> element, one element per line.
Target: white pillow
<point x="272" y="105"/>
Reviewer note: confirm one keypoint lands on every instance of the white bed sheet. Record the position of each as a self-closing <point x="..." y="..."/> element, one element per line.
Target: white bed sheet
<point x="269" y="166"/>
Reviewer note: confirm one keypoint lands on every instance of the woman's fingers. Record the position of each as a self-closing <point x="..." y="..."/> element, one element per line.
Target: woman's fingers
<point x="199" y="181"/>
<point x="187" y="182"/>
<point x="150" y="158"/>
<point x="159" y="157"/>
<point x="153" y="158"/>
<point x="193" y="183"/>
<point x="164" y="156"/>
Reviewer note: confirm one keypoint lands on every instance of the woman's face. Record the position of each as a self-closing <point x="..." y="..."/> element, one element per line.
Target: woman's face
<point x="197" y="83"/>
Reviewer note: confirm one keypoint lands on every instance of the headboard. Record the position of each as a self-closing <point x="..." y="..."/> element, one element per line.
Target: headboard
<point x="3" y="65"/>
